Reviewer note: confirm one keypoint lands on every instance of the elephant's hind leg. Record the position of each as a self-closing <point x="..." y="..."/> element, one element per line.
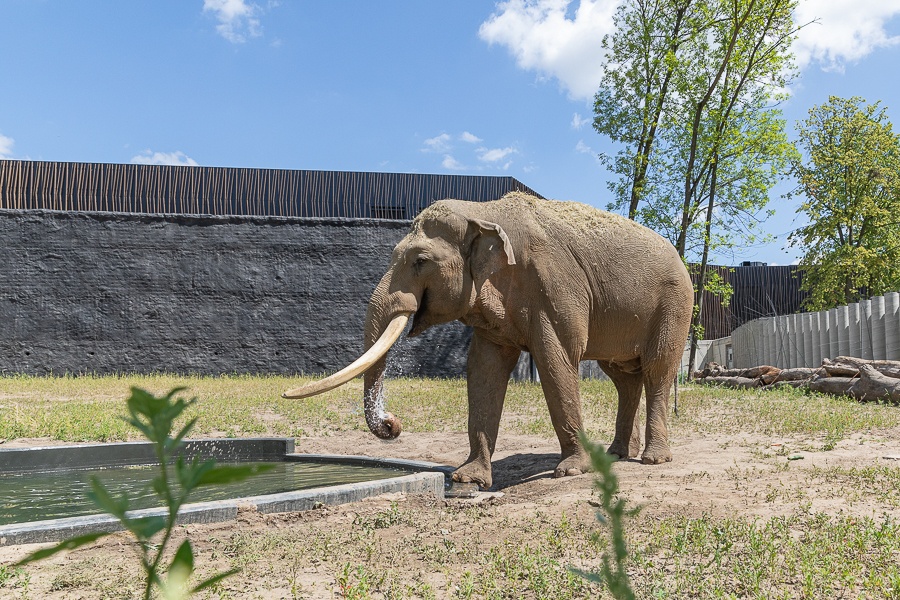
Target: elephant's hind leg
<point x="629" y="382"/>
<point x="657" y="450"/>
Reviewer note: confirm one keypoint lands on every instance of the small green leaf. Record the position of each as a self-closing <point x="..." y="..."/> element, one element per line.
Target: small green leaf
<point x="184" y="431"/>
<point x="183" y="559"/>
<point x="145" y="528"/>
<point x="180" y="571"/>
<point x="70" y="544"/>
<point x="159" y="486"/>
<point x="102" y="498"/>
<point x="232" y="473"/>
<point x="213" y="580"/>
<point x="190" y="474"/>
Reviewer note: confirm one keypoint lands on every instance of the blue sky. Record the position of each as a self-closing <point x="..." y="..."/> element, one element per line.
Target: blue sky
<point x="475" y="87"/>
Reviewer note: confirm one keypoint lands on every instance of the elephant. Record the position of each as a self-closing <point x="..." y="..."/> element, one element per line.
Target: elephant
<point x="561" y="280"/>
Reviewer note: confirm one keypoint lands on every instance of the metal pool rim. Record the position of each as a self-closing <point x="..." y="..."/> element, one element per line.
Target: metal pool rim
<point x="426" y="478"/>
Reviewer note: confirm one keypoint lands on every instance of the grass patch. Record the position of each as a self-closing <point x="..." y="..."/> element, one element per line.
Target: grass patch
<point x="799" y="556"/>
<point x="421" y="549"/>
<point x="780" y="413"/>
<point x="880" y="483"/>
<point x="89" y="408"/>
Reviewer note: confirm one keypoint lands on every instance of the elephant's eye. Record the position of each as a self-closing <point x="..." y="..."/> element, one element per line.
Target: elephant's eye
<point x="419" y="263"/>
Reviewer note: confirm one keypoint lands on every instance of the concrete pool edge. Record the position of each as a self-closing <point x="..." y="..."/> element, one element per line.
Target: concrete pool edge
<point x="431" y="482"/>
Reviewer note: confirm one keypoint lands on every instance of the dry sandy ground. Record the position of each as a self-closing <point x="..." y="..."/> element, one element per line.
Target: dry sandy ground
<point x="718" y="476"/>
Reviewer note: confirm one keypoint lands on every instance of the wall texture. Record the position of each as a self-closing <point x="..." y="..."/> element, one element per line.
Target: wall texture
<point x="112" y="292"/>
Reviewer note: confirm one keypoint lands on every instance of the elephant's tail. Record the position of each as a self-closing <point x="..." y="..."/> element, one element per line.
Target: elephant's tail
<point x="676" y="393"/>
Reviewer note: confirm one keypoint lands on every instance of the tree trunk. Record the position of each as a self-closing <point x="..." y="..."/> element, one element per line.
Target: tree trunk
<point x="701" y="279"/>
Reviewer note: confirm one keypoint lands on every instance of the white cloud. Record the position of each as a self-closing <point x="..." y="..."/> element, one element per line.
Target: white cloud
<point x="451" y="163"/>
<point x="237" y="19"/>
<point x="178" y="158"/>
<point x="439" y="144"/>
<point x="547" y="37"/>
<point x="561" y="39"/>
<point x="578" y="122"/>
<point x="466" y="151"/>
<point x="846" y="31"/>
<point x="6" y="146"/>
<point x="583" y="148"/>
<point x="493" y="155"/>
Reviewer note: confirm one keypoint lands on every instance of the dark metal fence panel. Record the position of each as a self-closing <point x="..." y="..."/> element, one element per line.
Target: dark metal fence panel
<point x="759" y="291"/>
<point x="164" y="189"/>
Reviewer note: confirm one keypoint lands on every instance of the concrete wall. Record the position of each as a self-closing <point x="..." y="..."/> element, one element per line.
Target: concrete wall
<point x="869" y="329"/>
<point x="113" y="292"/>
<point x="716" y="351"/>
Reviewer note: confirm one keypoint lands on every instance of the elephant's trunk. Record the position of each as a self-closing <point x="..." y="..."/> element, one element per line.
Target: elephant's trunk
<point x="372" y="359"/>
<point x="382" y="423"/>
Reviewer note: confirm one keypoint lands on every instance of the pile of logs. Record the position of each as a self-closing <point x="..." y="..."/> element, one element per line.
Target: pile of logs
<point x="843" y="376"/>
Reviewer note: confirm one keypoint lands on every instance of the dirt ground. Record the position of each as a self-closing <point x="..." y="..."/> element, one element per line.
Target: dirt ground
<point x="718" y="476"/>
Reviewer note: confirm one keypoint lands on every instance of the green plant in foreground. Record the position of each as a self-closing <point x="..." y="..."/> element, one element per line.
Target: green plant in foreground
<point x="155" y="418"/>
<point x="612" y="513"/>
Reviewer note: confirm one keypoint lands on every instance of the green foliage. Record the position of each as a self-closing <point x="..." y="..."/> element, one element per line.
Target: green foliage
<point x="612" y="513"/>
<point x="717" y="286"/>
<point x="850" y="182"/>
<point x="634" y="91"/>
<point x="155" y="418"/>
<point x="687" y="95"/>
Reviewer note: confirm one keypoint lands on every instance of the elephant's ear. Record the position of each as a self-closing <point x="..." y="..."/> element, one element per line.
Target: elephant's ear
<point x="489" y="249"/>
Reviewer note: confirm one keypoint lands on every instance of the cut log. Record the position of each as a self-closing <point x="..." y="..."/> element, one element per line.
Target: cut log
<point x="794" y="383"/>
<point x="710" y="370"/>
<point x="874" y="385"/>
<point x="761" y="370"/>
<point x="848" y="366"/>
<point x="838" y="386"/>
<point x="870" y="385"/>
<point x="834" y="369"/>
<point x="735" y="382"/>
<point x="797" y="373"/>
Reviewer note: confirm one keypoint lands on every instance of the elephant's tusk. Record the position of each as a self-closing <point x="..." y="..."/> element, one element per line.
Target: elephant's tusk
<point x="360" y="365"/>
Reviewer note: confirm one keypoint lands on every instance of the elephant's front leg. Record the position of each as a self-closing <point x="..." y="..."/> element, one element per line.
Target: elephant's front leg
<point x="560" y="382"/>
<point x="490" y="366"/>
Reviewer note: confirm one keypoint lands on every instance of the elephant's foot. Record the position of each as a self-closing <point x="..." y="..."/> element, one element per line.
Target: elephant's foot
<point x="620" y="450"/>
<point x="474" y="472"/>
<point x="576" y="464"/>
<point x="656" y="455"/>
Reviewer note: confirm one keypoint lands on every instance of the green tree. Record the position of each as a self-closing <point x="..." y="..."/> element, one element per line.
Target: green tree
<point x="642" y="58"/>
<point x="690" y="94"/>
<point x="850" y="181"/>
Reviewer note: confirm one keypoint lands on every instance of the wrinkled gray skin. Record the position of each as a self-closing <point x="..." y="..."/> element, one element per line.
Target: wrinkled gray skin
<point x="561" y="280"/>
